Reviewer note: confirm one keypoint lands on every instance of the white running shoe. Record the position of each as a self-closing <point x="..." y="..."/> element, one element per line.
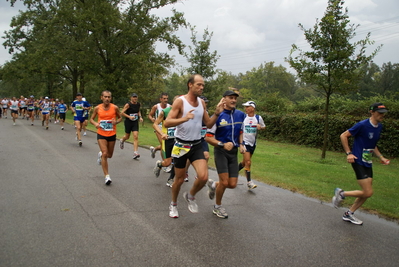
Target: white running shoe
<point x="173" y="213"/>
<point x="136" y="155"/>
<point x="99" y="155"/>
<point x="220" y="212"/>
<point x="152" y="150"/>
<point x="108" y="180"/>
<point x="192" y="205"/>
<point x="168" y="169"/>
<point x="211" y="190"/>
<point x="169" y="183"/>
<point x="157" y="169"/>
<point x="251" y="185"/>
<point x="84" y="134"/>
<point x="121" y="143"/>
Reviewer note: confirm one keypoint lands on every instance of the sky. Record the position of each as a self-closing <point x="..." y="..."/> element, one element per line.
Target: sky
<point x="248" y="33"/>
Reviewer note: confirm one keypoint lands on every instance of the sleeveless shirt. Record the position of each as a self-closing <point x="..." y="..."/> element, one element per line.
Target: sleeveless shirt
<point x="191" y="129"/>
<point x="105" y="119"/>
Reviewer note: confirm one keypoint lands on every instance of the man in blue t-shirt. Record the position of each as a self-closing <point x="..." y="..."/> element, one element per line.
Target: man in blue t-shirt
<point x="78" y="108"/>
<point x="227" y="138"/>
<point x="366" y="134"/>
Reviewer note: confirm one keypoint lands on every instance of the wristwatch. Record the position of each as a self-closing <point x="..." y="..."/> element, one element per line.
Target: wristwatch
<point x="348" y="153"/>
<point x="221" y="144"/>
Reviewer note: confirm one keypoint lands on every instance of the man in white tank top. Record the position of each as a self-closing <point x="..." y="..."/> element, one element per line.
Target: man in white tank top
<point x="187" y="114"/>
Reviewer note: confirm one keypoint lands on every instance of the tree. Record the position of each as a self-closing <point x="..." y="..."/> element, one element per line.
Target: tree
<point x="201" y="59"/>
<point x="389" y="79"/>
<point x="333" y="64"/>
<point x="268" y="78"/>
<point x="111" y="41"/>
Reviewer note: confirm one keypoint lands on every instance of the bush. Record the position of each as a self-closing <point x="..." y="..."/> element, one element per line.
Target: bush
<point x="307" y="129"/>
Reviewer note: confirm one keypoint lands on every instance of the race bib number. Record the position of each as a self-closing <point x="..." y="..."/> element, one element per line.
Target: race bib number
<point x="250" y="129"/>
<point x="367" y="155"/>
<point x="171" y="132"/>
<point x="106" y="125"/>
<point x="79" y="107"/>
<point x="203" y="131"/>
<point x="135" y="116"/>
<point x="62" y="110"/>
<point x="180" y="149"/>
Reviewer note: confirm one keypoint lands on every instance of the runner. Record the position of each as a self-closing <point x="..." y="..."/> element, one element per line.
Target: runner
<point x="86" y="116"/>
<point x="252" y="124"/>
<point x="366" y="134"/>
<point x="108" y="116"/>
<point x="155" y="110"/>
<point x="56" y="106"/>
<point x="168" y="140"/>
<point x="14" y="106"/>
<point x="22" y="107"/>
<point x="187" y="114"/>
<point x="62" y="109"/>
<point x="4" y="104"/>
<point x="131" y="112"/>
<point x="45" y="111"/>
<point x="227" y="138"/>
<point x="31" y="108"/>
<point x="78" y="107"/>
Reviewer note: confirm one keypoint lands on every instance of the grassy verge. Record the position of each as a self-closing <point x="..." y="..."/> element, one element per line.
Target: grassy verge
<point x="300" y="169"/>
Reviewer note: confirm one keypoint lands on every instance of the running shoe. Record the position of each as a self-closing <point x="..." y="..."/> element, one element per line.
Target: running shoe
<point x="31" y="124"/>
<point x="14" y="124"/>
<point x="108" y="180"/>
<point x="337" y="198"/>
<point x="169" y="183"/>
<point x="348" y="217"/>
<point x="99" y="155"/>
<point x="136" y="155"/>
<point x="220" y="212"/>
<point x="186" y="179"/>
<point x="46" y="127"/>
<point x="62" y="128"/>
<point x="211" y="190"/>
<point x="157" y="169"/>
<point x="168" y="169"/>
<point x="251" y="185"/>
<point x="152" y="150"/>
<point x="80" y="143"/>
<point x="173" y="213"/>
<point x="84" y="134"/>
<point x="192" y="205"/>
<point x="121" y="143"/>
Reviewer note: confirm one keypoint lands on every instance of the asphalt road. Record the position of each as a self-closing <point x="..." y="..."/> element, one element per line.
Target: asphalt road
<point x="56" y="211"/>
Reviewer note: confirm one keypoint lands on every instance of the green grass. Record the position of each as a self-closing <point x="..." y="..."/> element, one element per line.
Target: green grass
<point x="300" y="169"/>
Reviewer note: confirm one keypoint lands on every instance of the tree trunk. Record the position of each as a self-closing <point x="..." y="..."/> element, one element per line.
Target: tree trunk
<point x="326" y="121"/>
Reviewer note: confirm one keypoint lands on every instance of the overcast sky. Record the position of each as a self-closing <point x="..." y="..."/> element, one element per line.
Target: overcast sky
<point x="247" y="33"/>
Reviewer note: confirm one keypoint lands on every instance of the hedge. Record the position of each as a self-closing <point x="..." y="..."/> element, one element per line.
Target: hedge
<point x="307" y="129"/>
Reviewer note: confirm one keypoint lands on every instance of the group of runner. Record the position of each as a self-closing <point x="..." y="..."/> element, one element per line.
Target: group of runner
<point x="184" y="130"/>
<point x="46" y="110"/>
<point x="30" y="108"/>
